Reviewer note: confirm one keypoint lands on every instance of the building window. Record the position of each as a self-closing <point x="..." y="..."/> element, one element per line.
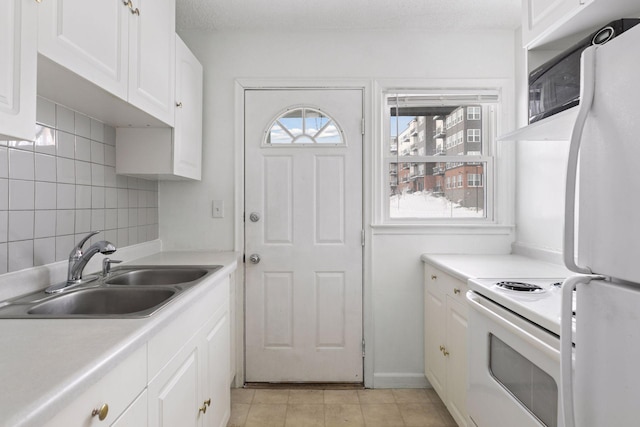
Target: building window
<point x="473" y="113"/>
<point x="447" y="178"/>
<point x="474" y="180"/>
<point x="473" y="135"/>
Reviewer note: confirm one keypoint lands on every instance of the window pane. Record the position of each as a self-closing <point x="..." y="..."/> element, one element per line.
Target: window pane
<point x="428" y="131"/>
<point x="277" y="135"/>
<point x="314" y="121"/>
<point x="437" y="190"/>
<point x="329" y="135"/>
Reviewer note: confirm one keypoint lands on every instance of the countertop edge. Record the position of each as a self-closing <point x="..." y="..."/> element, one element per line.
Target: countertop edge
<point x="503" y="266"/>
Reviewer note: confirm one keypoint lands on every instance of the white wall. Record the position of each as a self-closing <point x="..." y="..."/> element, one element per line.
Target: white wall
<point x="394" y="290"/>
<point x="540" y="175"/>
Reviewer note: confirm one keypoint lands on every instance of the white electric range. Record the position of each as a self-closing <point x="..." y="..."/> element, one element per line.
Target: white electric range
<point x="514" y="352"/>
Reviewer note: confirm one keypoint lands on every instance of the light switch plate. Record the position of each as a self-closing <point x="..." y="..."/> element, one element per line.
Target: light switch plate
<point x="218" y="209"/>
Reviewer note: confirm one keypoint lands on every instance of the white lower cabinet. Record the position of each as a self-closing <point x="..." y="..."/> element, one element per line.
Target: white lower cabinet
<point x="109" y="397"/>
<point x="445" y="343"/>
<point x="180" y="377"/>
<point x="217" y="359"/>
<point x="135" y="415"/>
<point x="174" y="394"/>
<point x="192" y="388"/>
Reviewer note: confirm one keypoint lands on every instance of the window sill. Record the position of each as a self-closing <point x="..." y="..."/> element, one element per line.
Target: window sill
<point x="444" y="228"/>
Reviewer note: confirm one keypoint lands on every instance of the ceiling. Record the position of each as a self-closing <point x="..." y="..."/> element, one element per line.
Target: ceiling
<point x="298" y="15"/>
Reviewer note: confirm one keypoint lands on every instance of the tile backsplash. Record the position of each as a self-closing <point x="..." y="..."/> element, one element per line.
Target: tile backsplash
<point x="59" y="187"/>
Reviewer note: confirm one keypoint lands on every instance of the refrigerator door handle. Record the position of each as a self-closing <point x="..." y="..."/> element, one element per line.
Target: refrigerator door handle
<point x="587" y="76"/>
<point x="566" y="345"/>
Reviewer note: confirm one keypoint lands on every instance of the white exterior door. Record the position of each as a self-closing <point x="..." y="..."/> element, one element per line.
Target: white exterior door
<point x="303" y="183"/>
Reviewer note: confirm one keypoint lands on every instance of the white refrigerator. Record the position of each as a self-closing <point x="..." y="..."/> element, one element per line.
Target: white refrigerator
<point x="601" y="373"/>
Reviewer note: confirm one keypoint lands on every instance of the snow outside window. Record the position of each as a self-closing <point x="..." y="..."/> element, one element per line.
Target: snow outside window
<point x="441" y="174"/>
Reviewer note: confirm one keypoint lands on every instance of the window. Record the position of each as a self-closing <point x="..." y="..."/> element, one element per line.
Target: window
<point x="303" y="126"/>
<point x="448" y="174"/>
<point x="474" y="180"/>
<point x="473" y="113"/>
<point x="473" y="135"/>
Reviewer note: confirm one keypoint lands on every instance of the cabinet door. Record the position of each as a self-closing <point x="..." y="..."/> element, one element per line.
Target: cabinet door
<point x="135" y="415"/>
<point x="457" y="361"/>
<point x="90" y="38"/>
<point x="152" y="58"/>
<point x="434" y="327"/>
<point x="187" y="137"/>
<point x="217" y="371"/>
<point x="18" y="70"/>
<point x="175" y="393"/>
<point x="541" y="16"/>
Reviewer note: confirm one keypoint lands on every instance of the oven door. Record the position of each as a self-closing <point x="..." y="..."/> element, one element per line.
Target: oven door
<point x="514" y="369"/>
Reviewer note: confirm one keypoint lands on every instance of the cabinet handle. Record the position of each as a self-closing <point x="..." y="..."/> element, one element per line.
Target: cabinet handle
<point x="434" y="277"/>
<point x="129" y="4"/>
<point x="179" y="104"/>
<point x="456" y="291"/>
<point x="101" y="412"/>
<point x="204" y="406"/>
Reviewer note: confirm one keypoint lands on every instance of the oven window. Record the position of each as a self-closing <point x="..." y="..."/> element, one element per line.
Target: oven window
<point x="533" y="387"/>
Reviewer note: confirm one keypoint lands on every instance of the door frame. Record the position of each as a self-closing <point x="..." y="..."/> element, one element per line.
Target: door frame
<point x="241" y="85"/>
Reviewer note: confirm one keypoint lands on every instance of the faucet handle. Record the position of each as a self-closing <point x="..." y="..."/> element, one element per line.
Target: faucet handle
<point x="106" y="265"/>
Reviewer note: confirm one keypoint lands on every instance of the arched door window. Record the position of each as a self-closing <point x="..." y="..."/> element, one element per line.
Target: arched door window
<point x="304" y="126"/>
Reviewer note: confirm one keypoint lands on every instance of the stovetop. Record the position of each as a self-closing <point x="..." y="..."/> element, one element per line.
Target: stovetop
<point x="538" y="300"/>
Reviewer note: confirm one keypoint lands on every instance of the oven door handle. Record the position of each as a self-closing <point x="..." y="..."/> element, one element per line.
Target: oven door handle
<point x="522" y="330"/>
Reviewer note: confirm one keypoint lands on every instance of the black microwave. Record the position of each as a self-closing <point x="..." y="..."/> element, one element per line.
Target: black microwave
<point x="555" y="85"/>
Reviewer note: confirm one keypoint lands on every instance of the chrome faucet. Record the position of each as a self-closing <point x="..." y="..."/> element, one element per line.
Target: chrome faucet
<point x="78" y="259"/>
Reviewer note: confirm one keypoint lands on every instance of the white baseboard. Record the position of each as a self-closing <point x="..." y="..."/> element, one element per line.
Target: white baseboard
<point x="400" y="380"/>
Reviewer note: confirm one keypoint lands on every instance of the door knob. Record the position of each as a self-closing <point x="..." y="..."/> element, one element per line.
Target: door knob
<point x="254" y="217"/>
<point x="254" y="258"/>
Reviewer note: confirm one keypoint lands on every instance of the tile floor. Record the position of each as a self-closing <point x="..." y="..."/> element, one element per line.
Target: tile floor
<point x="339" y="408"/>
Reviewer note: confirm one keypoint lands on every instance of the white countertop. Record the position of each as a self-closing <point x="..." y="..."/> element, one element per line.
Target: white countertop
<point x="46" y="363"/>
<point x="466" y="267"/>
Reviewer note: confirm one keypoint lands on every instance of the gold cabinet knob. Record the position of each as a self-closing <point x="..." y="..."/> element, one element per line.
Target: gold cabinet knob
<point x="456" y="291"/>
<point x="101" y="412"/>
<point x="204" y="406"/>
<point x="434" y="277"/>
<point x="179" y="104"/>
<point x="441" y="348"/>
<point x="445" y="352"/>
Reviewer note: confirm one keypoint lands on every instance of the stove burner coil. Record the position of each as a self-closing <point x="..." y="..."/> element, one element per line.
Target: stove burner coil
<point x="519" y="286"/>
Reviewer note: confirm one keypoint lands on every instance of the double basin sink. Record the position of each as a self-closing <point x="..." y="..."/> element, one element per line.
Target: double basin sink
<point x="126" y="292"/>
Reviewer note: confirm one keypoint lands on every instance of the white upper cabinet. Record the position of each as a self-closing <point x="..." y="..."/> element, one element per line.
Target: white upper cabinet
<point x="152" y="57"/>
<point x="547" y="21"/>
<point x="187" y="144"/>
<point x="163" y="153"/>
<point x="125" y="48"/>
<point x="89" y="38"/>
<point x="18" y="71"/>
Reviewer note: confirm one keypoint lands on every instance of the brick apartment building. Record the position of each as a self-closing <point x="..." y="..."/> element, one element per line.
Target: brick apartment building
<point x="456" y="132"/>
